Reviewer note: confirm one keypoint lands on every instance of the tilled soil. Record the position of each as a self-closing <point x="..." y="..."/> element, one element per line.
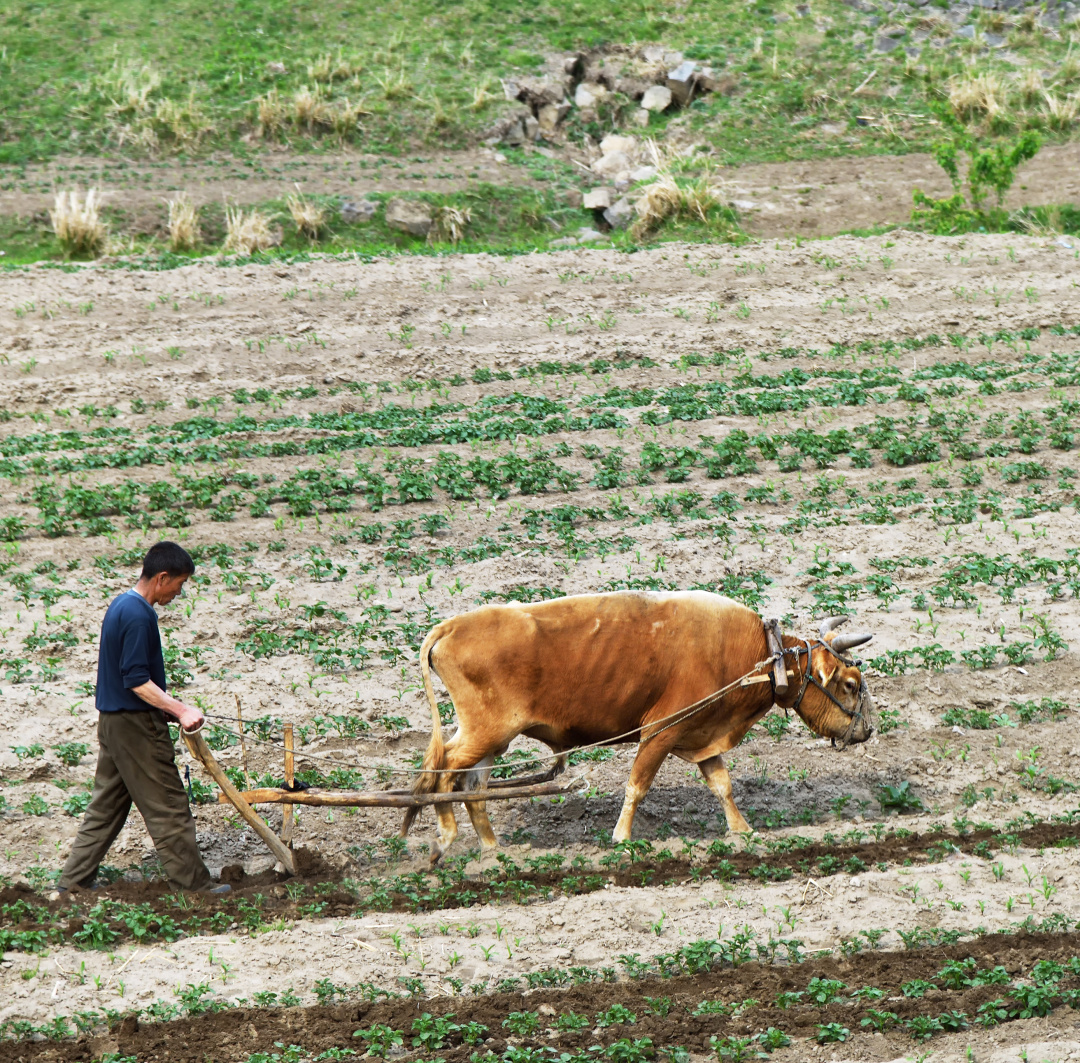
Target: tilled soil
<point x="78" y="342"/>
<point x="236" y="1034"/>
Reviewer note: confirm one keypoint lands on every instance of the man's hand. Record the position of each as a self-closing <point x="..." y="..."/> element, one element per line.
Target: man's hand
<point x="191" y="719"/>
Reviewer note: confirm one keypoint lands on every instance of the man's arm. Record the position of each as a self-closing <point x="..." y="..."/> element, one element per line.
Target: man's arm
<point x="190" y="718"/>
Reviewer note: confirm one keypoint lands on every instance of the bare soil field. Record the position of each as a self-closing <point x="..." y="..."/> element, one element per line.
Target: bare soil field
<point x="354" y="450"/>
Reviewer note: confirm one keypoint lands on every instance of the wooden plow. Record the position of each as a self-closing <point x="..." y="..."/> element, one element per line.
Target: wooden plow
<point x="539" y="785"/>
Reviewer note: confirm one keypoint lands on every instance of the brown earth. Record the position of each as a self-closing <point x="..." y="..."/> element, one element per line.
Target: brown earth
<point x="254" y="326"/>
<point x="816" y="197"/>
<point x="236" y="1034"/>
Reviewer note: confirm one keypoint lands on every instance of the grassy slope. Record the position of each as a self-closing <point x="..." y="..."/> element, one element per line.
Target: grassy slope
<point x="72" y="74"/>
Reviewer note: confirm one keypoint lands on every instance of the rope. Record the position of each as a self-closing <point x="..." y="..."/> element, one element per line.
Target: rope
<point x="671" y="720"/>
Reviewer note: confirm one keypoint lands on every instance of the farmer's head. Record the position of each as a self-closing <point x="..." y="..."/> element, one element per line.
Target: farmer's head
<point x="166" y="568"/>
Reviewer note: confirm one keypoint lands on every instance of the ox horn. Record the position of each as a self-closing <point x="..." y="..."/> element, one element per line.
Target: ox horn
<point x="831" y="624"/>
<point x="849" y="641"/>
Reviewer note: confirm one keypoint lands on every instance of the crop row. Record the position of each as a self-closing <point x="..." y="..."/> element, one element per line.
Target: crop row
<point x="28" y="925"/>
<point x="674" y="998"/>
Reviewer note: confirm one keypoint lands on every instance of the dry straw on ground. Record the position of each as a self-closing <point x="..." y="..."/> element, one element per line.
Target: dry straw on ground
<point x="448" y="225"/>
<point x="981" y="96"/>
<point x="183" y="223"/>
<point x="248" y="232"/>
<point x="309" y="218"/>
<point x="77" y="223"/>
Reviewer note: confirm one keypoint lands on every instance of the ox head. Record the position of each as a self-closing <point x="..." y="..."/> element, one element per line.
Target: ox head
<point x="833" y="699"/>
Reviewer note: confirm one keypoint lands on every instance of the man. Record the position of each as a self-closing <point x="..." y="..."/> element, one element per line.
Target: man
<point x="135" y="760"/>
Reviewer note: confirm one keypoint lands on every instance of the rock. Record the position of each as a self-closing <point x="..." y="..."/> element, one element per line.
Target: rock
<point x="597" y="199"/>
<point x="681" y="81"/>
<point x="537" y="92"/>
<point x="352" y="212"/>
<point x="657" y="98"/>
<point x="967" y="32"/>
<point x="588" y="93"/>
<point x="620" y="214"/>
<point x="652" y="53"/>
<point x="640" y="117"/>
<point x="886" y="44"/>
<point x="573" y="198"/>
<point x="564" y="241"/>
<point x="617" y="162"/>
<point x="409" y="216"/>
<point x="587" y="235"/>
<point x="615" y="142"/>
<point x="550" y="115"/>
<point x="513" y="131"/>
<point x="994" y="40"/>
<point x="276" y="68"/>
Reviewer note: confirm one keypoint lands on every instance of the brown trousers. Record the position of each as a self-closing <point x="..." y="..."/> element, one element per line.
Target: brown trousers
<point x="136" y="764"/>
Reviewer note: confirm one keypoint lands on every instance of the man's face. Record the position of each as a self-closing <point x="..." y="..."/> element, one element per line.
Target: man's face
<point x="168" y="587"/>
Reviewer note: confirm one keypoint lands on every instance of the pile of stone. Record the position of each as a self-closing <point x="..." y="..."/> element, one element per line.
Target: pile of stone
<point x="653" y="77"/>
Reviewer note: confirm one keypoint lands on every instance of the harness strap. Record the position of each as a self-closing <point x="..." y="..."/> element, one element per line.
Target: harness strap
<point x="808" y="678"/>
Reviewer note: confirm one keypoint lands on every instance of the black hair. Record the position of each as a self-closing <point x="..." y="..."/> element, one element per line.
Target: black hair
<point x="167" y="557"/>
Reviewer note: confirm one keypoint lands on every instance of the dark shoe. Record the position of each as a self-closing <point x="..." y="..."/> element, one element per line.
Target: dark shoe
<point x="64" y="890"/>
<point x="218" y="890"/>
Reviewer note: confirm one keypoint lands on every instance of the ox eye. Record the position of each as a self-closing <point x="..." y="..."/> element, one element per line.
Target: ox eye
<point x="850" y="684"/>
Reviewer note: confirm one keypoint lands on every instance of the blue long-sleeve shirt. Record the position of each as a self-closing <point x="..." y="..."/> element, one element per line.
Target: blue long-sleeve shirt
<point x="129" y="654"/>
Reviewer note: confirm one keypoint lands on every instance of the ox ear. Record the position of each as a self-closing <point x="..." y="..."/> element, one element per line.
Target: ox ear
<point x="825" y="668"/>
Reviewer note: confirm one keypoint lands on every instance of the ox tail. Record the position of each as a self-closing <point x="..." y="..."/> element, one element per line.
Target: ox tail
<point x="435" y="757"/>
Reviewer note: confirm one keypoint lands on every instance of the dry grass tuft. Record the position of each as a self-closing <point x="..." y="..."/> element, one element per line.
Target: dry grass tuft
<point x="272" y="114"/>
<point x="1030" y="85"/>
<point x="1052" y="225"/>
<point x="246" y="233"/>
<point x="448" y="225"/>
<point x="482" y="94"/>
<point x="328" y="68"/>
<point x="976" y="97"/>
<point x="665" y="199"/>
<point x="183" y="223"/>
<point x="130" y="86"/>
<point x="77" y="223"/>
<point x="1062" y="112"/>
<point x="309" y="218"/>
<point x="310" y="110"/>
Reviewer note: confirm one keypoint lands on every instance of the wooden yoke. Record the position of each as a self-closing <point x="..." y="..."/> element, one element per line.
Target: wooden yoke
<point x="201" y="752"/>
<point x="775" y="641"/>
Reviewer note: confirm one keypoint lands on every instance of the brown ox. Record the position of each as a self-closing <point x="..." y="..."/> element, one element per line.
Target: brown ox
<point x="592" y="667"/>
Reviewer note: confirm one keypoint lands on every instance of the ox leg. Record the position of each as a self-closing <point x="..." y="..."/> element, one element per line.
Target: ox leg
<point x="646" y="764"/>
<point x="478" y="809"/>
<point x="716" y="775"/>
<point x="459" y="757"/>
